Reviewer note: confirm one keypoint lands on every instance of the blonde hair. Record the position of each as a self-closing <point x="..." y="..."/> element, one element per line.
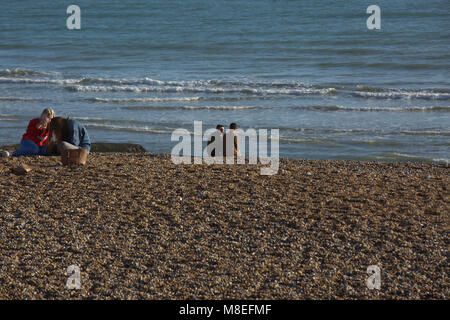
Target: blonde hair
<point x="49" y="112"/>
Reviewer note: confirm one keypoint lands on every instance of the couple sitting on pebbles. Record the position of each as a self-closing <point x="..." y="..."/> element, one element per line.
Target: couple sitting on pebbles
<point x="230" y="135"/>
<point x="50" y="135"/>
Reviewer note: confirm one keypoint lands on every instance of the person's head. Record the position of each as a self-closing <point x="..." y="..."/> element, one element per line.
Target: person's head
<point x="233" y="126"/>
<point x="58" y="129"/>
<point x="46" y="116"/>
<point x="220" y="127"/>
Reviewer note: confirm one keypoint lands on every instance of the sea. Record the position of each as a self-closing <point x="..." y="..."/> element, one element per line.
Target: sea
<point x="137" y="70"/>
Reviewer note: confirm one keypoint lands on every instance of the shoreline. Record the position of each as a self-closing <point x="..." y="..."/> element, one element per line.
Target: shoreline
<point x="111" y="147"/>
<point x="140" y="227"/>
<point x="97" y="147"/>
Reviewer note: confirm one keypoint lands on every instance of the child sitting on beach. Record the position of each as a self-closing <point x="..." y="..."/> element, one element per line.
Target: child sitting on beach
<point x="35" y="139"/>
<point x="68" y="133"/>
<point x="220" y="128"/>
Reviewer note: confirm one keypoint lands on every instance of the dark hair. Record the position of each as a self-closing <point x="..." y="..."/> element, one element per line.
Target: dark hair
<point x="58" y="126"/>
<point x="233" y="126"/>
<point x="220" y="126"/>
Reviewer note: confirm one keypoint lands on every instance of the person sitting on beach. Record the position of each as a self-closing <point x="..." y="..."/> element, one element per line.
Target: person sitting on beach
<point x="231" y="134"/>
<point x="35" y="139"/>
<point x="68" y="133"/>
<point x="220" y="128"/>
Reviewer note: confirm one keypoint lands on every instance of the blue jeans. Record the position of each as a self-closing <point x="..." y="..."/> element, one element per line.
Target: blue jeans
<point x="29" y="148"/>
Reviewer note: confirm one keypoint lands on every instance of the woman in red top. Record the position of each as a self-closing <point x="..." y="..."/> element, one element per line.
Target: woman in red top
<point x="35" y="140"/>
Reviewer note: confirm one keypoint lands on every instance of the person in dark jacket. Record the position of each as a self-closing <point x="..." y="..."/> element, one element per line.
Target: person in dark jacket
<point x="68" y="133"/>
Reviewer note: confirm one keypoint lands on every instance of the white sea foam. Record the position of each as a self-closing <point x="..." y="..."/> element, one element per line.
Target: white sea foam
<point x="131" y="128"/>
<point x="404" y="155"/>
<point x="198" y="89"/>
<point x="22" y="99"/>
<point x="426" y="132"/>
<point x="403" y="94"/>
<point x="193" y="86"/>
<point x="143" y="100"/>
<point x="193" y="108"/>
<point x="305" y="140"/>
<point x="20" y="72"/>
<point x="37" y="81"/>
<point x="244" y="87"/>
<point x="221" y="107"/>
<point x="375" y="108"/>
<point x="441" y="160"/>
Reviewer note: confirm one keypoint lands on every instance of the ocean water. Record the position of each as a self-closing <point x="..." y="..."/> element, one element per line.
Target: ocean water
<point x="137" y="70"/>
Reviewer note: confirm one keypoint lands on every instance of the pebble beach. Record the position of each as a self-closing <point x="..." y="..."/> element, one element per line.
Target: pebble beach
<point x="140" y="227"/>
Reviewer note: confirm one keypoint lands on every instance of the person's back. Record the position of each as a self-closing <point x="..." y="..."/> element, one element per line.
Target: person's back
<point x="77" y="134"/>
<point x="68" y="134"/>
<point x="231" y="134"/>
<point x="219" y="128"/>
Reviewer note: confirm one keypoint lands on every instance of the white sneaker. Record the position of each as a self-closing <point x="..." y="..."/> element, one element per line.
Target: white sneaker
<point x="5" y="154"/>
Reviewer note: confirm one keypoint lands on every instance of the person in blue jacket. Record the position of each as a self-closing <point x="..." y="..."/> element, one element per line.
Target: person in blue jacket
<point x="68" y="133"/>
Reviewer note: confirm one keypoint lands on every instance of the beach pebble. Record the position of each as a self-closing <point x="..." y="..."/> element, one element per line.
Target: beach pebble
<point x="22" y="169"/>
<point x="226" y="235"/>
